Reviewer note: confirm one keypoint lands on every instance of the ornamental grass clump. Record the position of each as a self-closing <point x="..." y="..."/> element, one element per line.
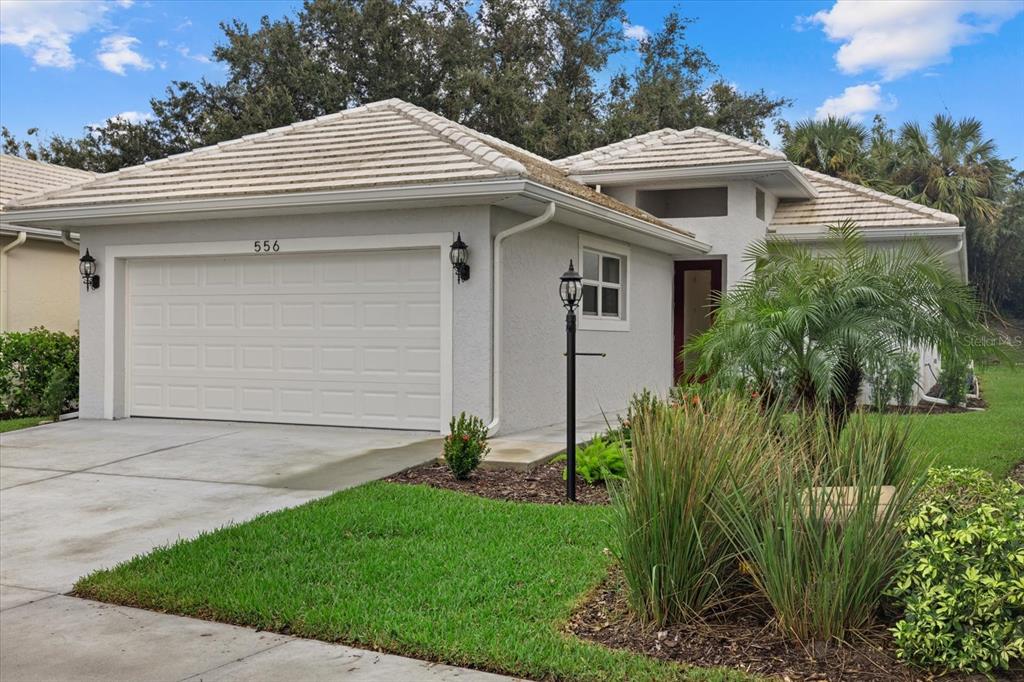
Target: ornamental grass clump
<point x="822" y="537"/>
<point x="676" y="556"/>
<point x="961" y="583"/>
<point x="465" y="446"/>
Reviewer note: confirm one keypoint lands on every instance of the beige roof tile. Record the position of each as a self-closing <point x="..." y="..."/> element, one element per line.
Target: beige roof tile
<point x="19" y="177"/>
<point x="384" y="144"/>
<point x="668" y="148"/>
<point x="839" y="200"/>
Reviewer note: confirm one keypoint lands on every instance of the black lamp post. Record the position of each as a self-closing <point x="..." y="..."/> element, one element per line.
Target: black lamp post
<point x="571" y="291"/>
<point x="87" y="268"/>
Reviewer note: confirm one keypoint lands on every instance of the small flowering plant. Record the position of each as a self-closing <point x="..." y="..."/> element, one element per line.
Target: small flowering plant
<point x="466" y="445"/>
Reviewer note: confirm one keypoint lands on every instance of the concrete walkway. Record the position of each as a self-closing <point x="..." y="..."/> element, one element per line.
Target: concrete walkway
<point x="82" y="495"/>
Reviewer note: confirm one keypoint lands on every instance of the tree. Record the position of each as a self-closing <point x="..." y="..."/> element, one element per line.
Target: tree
<point x="666" y="90"/>
<point x="834" y="146"/>
<point x="526" y="71"/>
<point x="999" y="259"/>
<point x="804" y="327"/>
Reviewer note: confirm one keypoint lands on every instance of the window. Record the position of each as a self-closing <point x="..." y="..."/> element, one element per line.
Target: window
<point x="700" y="202"/>
<point x="759" y="203"/>
<point x="602" y="285"/>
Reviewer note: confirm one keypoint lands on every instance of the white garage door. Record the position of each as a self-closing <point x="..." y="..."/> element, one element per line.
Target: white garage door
<point x="348" y="339"/>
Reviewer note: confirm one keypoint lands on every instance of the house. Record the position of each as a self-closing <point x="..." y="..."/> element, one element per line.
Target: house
<point x="38" y="267"/>
<point x="302" y="274"/>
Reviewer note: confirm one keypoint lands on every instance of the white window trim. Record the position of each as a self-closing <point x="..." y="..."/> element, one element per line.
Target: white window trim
<point x="604" y="324"/>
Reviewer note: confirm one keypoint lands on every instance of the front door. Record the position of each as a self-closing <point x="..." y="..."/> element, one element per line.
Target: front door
<point x="697" y="282"/>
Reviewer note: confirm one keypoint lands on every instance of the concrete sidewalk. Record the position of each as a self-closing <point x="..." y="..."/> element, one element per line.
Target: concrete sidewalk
<point x="83" y="495"/>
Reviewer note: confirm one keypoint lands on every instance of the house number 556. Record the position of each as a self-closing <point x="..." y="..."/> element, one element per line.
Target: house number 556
<point x="266" y="246"/>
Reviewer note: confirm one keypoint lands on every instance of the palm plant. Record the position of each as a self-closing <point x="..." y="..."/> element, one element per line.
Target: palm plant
<point x="804" y="325"/>
<point x="834" y="146"/>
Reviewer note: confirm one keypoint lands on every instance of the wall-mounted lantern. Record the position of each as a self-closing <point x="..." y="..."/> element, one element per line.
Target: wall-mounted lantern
<point x="460" y="258"/>
<point x="87" y="266"/>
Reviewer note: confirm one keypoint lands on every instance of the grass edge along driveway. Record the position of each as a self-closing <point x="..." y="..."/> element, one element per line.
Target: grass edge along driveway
<point x="427" y="573"/>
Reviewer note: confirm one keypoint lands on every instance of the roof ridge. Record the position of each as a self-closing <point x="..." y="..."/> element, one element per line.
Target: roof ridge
<point x="139" y="169"/>
<point x="874" y="193"/>
<point x="456" y="134"/>
<point x="614" y="149"/>
<point x="738" y="142"/>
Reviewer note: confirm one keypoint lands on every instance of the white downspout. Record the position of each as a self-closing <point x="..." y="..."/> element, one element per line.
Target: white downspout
<point x="544" y="217"/>
<point x="66" y="240"/>
<point x="962" y="258"/>
<point x="4" y="294"/>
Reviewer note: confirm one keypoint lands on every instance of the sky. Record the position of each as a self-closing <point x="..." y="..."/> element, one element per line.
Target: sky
<point x="67" y="64"/>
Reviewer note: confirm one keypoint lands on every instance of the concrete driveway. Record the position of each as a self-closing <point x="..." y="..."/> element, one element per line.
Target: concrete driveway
<point x="82" y="495"/>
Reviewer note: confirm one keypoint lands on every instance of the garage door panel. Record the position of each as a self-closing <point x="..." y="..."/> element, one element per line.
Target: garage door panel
<point x="322" y="339"/>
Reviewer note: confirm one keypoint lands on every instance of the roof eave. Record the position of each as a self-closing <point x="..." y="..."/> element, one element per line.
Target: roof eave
<point x="814" y="233"/>
<point x="181" y="209"/>
<point x="801" y="186"/>
<point x="676" y="241"/>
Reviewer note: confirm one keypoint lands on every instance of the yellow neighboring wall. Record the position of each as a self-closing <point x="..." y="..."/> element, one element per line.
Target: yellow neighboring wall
<point x="40" y="285"/>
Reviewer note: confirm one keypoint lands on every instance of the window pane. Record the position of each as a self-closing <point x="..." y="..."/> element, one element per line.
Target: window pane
<point x="589" y="299"/>
<point x="609" y="302"/>
<point x="759" y="204"/>
<point x="590" y="265"/>
<point x="611" y="270"/>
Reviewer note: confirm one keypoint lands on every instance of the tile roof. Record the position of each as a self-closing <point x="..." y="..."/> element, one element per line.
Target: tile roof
<point x="668" y="148"/>
<point x="390" y="143"/>
<point x="19" y="177"/>
<point x="839" y="200"/>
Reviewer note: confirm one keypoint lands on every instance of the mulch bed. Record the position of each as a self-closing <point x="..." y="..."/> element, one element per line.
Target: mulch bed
<point x="742" y="638"/>
<point x="1017" y="473"/>
<point x="543" y="483"/>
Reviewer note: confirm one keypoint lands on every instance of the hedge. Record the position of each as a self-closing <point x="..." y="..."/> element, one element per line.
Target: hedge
<point x="38" y="373"/>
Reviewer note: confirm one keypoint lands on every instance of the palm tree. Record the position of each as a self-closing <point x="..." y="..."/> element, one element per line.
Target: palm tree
<point x="803" y="327"/>
<point x="954" y="169"/>
<point x="834" y="146"/>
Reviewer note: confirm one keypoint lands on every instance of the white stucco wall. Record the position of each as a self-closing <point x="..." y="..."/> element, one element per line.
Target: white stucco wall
<point x="729" y="235"/>
<point x="471" y="304"/>
<point x="533" y="328"/>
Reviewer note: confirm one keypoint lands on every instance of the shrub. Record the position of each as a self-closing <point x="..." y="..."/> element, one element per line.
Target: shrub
<point x="466" y="445"/>
<point x="961" y="584"/>
<point x="59" y="392"/>
<point x="892" y="377"/>
<point x="953" y="378"/>
<point x="904" y="377"/>
<point x="599" y="460"/>
<point x="676" y="557"/>
<point x="27" y="362"/>
<point x="819" y="540"/>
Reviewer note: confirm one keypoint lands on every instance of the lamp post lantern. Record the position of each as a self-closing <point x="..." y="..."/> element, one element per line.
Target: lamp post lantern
<point x="571" y="291"/>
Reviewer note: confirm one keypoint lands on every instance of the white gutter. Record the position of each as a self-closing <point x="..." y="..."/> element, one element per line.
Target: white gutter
<point x="739" y="170"/>
<point x="609" y="215"/>
<point x="872" y="233"/>
<point x="18" y="241"/>
<point x="66" y="240"/>
<point x="499" y="238"/>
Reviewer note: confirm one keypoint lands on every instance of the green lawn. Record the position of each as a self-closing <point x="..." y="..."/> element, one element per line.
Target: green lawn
<point x="21" y="423"/>
<point x="992" y="440"/>
<point x="412" y="570"/>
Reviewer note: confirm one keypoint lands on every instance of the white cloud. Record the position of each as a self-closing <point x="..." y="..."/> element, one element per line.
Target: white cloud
<point x="44" y="30"/>
<point x="897" y="37"/>
<point x="118" y="51"/>
<point x="134" y="116"/>
<point x="856" y="101"/>
<point x="635" y="31"/>
<point x="187" y="54"/>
